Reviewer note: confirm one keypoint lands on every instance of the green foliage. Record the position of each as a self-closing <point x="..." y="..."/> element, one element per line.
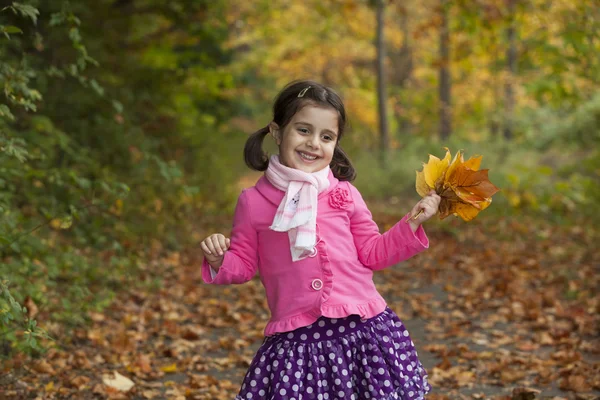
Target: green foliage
<point x="100" y="158"/>
<point x="12" y="314"/>
<point x="37" y="191"/>
<point x="24" y="10"/>
<point x="569" y="176"/>
<point x="577" y="128"/>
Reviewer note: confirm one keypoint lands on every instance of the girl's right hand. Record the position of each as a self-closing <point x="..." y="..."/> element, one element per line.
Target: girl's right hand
<point x="214" y="248"/>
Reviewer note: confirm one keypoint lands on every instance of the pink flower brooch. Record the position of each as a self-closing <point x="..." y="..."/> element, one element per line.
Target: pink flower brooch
<point x="339" y="198"/>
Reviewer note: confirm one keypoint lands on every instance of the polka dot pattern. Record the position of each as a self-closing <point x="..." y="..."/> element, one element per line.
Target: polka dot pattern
<point x="347" y="358"/>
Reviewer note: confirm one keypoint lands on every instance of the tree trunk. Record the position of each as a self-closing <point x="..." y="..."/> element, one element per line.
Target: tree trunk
<point x="403" y="67"/>
<point x="444" y="88"/>
<point x="381" y="88"/>
<point x="495" y="118"/>
<point x="511" y="66"/>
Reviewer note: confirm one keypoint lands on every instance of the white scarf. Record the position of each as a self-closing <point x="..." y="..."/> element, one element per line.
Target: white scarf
<point x="297" y="212"/>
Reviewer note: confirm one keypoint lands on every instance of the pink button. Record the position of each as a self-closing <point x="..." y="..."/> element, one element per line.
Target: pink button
<point x="317" y="284"/>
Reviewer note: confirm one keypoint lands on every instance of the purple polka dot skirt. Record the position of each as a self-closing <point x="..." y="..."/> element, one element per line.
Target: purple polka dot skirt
<point x="332" y="359"/>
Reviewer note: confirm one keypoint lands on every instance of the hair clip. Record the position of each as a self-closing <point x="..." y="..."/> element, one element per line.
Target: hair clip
<point x="303" y="91"/>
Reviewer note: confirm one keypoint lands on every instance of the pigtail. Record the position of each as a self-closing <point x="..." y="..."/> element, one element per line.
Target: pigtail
<point x="341" y="166"/>
<point x="254" y="155"/>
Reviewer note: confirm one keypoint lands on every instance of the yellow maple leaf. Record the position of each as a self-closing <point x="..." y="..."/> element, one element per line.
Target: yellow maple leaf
<point x="435" y="169"/>
<point x="421" y="185"/>
<point x="433" y="173"/>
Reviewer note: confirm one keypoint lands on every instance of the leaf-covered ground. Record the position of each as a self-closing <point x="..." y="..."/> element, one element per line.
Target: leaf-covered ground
<point x="506" y="309"/>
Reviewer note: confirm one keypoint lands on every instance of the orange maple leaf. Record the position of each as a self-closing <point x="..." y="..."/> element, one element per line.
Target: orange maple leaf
<point x="464" y="188"/>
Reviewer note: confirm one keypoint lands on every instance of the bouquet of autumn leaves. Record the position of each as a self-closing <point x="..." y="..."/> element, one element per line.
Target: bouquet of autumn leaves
<point x="464" y="188"/>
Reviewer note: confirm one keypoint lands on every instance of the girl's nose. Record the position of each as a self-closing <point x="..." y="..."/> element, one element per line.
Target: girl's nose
<point x="313" y="141"/>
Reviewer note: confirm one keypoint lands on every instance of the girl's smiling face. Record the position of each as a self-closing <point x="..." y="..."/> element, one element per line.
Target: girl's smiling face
<point x="307" y="143"/>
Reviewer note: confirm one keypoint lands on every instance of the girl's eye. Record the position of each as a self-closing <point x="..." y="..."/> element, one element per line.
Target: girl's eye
<point x="303" y="130"/>
<point x="327" y="137"/>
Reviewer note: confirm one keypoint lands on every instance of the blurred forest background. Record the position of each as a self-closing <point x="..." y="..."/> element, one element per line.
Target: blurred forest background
<point x="122" y="123"/>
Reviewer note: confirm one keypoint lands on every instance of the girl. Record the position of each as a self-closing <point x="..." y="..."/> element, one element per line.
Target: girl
<point x="310" y="235"/>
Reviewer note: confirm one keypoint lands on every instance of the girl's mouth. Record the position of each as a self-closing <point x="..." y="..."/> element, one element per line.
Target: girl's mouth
<point x="307" y="157"/>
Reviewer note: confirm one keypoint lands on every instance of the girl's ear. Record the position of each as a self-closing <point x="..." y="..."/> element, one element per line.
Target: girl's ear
<point x="275" y="132"/>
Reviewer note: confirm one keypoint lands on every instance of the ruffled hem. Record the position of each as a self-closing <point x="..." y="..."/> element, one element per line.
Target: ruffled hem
<point x="293" y="323"/>
<point x="365" y="311"/>
<point x="416" y="387"/>
<point x="399" y="394"/>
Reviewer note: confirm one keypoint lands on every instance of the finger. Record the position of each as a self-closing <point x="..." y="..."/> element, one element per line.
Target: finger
<point x="210" y="245"/>
<point x="429" y="211"/>
<point x="205" y="248"/>
<point x="430" y="203"/>
<point x="222" y="242"/>
<point x="228" y="242"/>
<point x="431" y="200"/>
<point x="217" y="245"/>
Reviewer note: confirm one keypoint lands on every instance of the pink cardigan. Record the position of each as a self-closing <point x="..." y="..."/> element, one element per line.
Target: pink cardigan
<point x="337" y="280"/>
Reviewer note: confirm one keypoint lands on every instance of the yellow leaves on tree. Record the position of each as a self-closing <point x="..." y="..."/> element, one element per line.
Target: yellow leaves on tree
<point x="464" y="188"/>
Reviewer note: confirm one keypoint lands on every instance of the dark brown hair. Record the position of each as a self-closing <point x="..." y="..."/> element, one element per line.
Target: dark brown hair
<point x="286" y="105"/>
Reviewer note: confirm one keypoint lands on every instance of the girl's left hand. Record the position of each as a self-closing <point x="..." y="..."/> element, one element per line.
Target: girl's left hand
<point x="429" y="204"/>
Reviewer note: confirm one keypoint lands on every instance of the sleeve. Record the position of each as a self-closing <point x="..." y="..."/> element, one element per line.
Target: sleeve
<point x="377" y="251"/>
<point x="241" y="260"/>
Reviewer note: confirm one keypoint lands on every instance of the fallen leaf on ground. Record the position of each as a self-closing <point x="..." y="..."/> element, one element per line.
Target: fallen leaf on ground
<point x="118" y="382"/>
